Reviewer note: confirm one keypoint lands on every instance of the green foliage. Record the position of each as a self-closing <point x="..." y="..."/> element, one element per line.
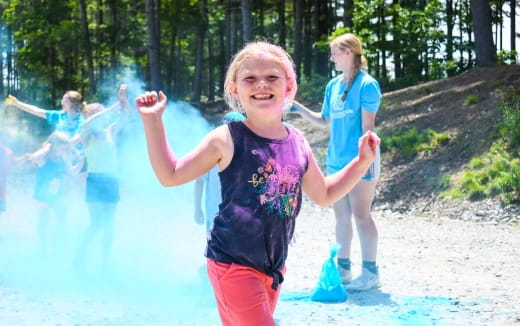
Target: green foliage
<point x="442" y="182"/>
<point x="509" y="127"/>
<point x="506" y="57"/>
<point x="497" y="172"/>
<point x="411" y="142"/>
<point x="312" y="89"/>
<point x="472" y="99"/>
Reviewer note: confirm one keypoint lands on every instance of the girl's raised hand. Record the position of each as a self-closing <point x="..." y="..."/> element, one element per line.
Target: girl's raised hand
<point x="150" y="103"/>
<point x="368" y="144"/>
<point x="122" y="93"/>
<point x="11" y="100"/>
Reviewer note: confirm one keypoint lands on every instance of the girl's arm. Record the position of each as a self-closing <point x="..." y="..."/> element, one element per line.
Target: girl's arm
<point x="125" y="110"/>
<point x="169" y="169"/>
<point x="198" y="213"/>
<point x="369" y="121"/>
<point x="38" y="157"/>
<point x="314" y="117"/>
<point x="327" y="190"/>
<point x="34" y="110"/>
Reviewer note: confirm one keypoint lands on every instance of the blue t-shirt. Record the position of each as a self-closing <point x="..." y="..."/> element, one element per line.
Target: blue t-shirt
<point x="63" y="123"/>
<point x="345" y="116"/>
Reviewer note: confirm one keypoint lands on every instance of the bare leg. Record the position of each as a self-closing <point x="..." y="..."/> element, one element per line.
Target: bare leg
<point x="361" y="198"/>
<point x="344" y="232"/>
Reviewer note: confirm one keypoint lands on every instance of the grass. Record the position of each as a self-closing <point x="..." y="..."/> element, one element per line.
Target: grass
<point x="496" y="173"/>
<point x="472" y="99"/>
<point x="410" y="143"/>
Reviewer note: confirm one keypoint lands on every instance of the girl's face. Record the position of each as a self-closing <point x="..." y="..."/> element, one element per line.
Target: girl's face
<point x="261" y="83"/>
<point x="341" y="58"/>
<point x="66" y="104"/>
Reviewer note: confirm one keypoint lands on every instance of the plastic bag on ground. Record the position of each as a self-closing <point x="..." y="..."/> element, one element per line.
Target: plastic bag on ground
<point x="329" y="287"/>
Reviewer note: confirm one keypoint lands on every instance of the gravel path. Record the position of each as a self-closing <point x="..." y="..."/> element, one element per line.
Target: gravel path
<point x="434" y="272"/>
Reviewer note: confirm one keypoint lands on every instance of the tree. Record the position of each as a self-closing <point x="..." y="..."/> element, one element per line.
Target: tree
<point x="88" y="48"/>
<point x="513" y="27"/>
<point x="347" y="13"/>
<point x="298" y="26"/>
<point x="203" y="26"/>
<point x="281" y="25"/>
<point x="153" y="45"/>
<point x="247" y="21"/>
<point x="484" y="48"/>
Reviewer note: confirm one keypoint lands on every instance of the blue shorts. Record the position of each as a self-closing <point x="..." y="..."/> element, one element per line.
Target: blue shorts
<point x="102" y="187"/>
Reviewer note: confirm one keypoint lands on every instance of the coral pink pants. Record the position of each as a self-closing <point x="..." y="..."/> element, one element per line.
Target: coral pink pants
<point x="244" y="295"/>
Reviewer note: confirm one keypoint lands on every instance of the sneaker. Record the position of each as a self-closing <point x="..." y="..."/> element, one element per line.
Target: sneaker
<point x="345" y="275"/>
<point x="366" y="281"/>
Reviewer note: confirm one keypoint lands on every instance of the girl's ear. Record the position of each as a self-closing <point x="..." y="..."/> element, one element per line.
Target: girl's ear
<point x="233" y="89"/>
<point x="289" y="87"/>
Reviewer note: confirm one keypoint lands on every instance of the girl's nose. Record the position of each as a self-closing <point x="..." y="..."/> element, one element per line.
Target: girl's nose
<point x="261" y="84"/>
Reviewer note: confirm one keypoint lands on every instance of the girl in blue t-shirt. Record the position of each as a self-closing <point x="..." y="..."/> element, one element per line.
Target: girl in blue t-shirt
<point x="68" y="120"/>
<point x="349" y="109"/>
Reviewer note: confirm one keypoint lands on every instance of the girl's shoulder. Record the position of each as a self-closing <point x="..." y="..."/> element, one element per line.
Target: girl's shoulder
<point x="335" y="80"/>
<point x="366" y="78"/>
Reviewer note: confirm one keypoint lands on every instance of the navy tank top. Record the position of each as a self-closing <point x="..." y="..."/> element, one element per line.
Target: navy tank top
<point x="261" y="197"/>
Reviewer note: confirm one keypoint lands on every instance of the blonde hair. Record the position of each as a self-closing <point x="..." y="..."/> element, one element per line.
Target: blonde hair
<point x="93" y="108"/>
<point x="276" y="53"/>
<point x="77" y="101"/>
<point x="350" y="41"/>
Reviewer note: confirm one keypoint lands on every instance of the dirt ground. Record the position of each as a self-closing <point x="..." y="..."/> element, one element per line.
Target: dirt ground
<point x="434" y="271"/>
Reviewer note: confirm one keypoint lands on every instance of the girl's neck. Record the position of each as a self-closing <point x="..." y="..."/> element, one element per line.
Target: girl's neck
<point x="267" y="129"/>
<point x="348" y="74"/>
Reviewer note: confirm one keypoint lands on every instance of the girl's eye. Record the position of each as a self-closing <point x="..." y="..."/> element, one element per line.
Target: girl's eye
<point x="273" y="78"/>
<point x="249" y="79"/>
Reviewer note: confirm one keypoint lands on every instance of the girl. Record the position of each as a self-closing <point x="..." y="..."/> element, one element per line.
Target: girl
<point x="99" y="139"/>
<point x="53" y="162"/>
<point x="351" y="102"/>
<point x="6" y="161"/>
<point x="68" y="120"/>
<point x="264" y="165"/>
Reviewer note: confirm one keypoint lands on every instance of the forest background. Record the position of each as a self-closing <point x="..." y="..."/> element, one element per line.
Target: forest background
<point x="183" y="47"/>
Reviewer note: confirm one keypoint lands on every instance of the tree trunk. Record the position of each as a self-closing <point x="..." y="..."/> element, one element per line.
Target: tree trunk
<point x="298" y="24"/>
<point x="281" y="25"/>
<point x="347" y="13"/>
<point x="484" y="47"/>
<point x="100" y="38"/>
<point x="398" y="69"/>
<point x="449" y="26"/>
<point x="211" y="71"/>
<point x="203" y="25"/>
<point x="247" y="21"/>
<point x="513" y="27"/>
<point x="88" y="48"/>
<point x="261" y="18"/>
<point x="321" y="62"/>
<point x="307" y="42"/>
<point x="114" y="61"/>
<point x="153" y="46"/>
